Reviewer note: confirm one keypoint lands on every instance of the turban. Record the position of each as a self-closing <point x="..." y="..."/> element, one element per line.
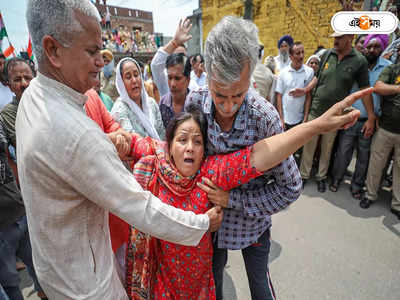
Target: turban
<point x="286" y="38"/>
<point x="383" y="39"/>
<point x="107" y="53"/>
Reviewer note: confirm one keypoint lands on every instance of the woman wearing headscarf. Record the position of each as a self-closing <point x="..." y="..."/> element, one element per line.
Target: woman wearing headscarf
<point x="313" y="62"/>
<point x="134" y="109"/>
<point x="175" y="171"/>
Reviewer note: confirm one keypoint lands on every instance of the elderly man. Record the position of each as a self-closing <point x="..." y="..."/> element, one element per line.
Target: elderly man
<point x="282" y="60"/>
<point x="374" y="44"/>
<point x="237" y="117"/>
<point x="107" y="76"/>
<point x="339" y="69"/>
<point x="64" y="157"/>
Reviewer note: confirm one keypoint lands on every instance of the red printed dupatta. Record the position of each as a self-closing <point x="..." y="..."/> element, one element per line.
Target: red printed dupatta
<point x="152" y="169"/>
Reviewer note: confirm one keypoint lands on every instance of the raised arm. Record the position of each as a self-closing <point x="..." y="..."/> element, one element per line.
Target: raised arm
<point x="158" y="63"/>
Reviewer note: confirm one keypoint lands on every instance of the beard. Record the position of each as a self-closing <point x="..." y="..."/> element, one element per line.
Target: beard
<point x="284" y="55"/>
<point x="372" y="59"/>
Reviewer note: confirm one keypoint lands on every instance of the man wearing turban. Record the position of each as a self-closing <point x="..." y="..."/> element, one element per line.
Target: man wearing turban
<point x="283" y="60"/>
<point x="107" y="76"/>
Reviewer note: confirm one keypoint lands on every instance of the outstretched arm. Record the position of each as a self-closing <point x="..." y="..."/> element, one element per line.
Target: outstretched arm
<point x="269" y="152"/>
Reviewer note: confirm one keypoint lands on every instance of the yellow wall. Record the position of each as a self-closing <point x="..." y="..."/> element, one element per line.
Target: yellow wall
<point x="307" y="21"/>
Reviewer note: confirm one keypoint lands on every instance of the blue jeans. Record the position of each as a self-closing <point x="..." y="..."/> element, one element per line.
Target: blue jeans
<point x="255" y="259"/>
<point x="348" y="140"/>
<point x="14" y="241"/>
<point x="3" y="295"/>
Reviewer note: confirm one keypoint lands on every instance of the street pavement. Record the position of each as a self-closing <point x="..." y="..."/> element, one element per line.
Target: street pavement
<point x="324" y="246"/>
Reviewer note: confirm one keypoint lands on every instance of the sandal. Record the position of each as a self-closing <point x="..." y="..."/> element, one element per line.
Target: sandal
<point x="356" y="194"/>
<point x="334" y="186"/>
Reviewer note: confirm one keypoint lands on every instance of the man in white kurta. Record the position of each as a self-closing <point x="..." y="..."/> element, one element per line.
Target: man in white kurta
<point x="70" y="173"/>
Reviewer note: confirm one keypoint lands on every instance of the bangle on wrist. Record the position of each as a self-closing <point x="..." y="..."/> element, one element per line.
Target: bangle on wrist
<point x="174" y="43"/>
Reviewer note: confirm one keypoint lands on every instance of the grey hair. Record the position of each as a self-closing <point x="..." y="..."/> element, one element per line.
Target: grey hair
<point x="57" y="19"/>
<point x="229" y="46"/>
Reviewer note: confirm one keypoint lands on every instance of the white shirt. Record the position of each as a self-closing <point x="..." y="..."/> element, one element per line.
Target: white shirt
<point x="280" y="64"/>
<point x="201" y="81"/>
<point x="289" y="79"/>
<point x="71" y="178"/>
<point x="6" y="95"/>
<point x="160" y="76"/>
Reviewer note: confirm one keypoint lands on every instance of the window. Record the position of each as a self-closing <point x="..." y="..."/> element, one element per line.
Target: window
<point x="130" y="13"/>
<point x="115" y="11"/>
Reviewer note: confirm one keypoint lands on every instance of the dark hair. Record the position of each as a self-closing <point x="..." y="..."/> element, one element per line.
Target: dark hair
<point x="11" y="63"/>
<point x="121" y="67"/>
<point x="359" y="37"/>
<point x="191" y="112"/>
<point x="319" y="48"/>
<point x="198" y="55"/>
<point x="2" y="55"/>
<point x="293" y="45"/>
<point x="260" y="50"/>
<point x="179" y="59"/>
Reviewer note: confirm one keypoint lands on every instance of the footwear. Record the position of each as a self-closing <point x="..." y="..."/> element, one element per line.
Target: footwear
<point x="395" y="212"/>
<point x="321" y="186"/>
<point x="356" y="194"/>
<point x="20" y="266"/>
<point x="365" y="203"/>
<point x="334" y="185"/>
<point x="42" y="296"/>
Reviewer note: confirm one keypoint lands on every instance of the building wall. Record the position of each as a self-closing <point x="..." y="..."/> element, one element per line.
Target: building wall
<point x="128" y="17"/>
<point x="305" y="20"/>
<point x="194" y="44"/>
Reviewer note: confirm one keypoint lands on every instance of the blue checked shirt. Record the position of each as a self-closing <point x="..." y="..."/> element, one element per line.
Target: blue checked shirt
<point x="250" y="205"/>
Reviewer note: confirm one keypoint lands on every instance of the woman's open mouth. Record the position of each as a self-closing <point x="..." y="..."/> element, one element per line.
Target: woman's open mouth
<point x="188" y="160"/>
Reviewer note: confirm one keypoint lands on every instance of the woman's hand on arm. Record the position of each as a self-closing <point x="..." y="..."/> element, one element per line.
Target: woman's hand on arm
<point x="215" y="194"/>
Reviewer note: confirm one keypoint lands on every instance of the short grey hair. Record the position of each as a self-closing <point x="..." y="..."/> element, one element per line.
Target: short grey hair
<point x="57" y="19"/>
<point x="231" y="44"/>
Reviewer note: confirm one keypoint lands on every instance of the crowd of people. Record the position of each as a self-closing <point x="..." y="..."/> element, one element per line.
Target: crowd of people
<point x="125" y="40"/>
<point x="132" y="181"/>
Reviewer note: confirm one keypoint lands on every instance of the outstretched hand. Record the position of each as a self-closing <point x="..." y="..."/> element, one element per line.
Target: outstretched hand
<point x="342" y="115"/>
<point x="182" y="32"/>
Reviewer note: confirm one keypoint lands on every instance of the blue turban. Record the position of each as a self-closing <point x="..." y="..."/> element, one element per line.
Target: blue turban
<point x="286" y="38"/>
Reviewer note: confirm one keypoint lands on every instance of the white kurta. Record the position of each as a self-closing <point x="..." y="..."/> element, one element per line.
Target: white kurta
<point x="71" y="177"/>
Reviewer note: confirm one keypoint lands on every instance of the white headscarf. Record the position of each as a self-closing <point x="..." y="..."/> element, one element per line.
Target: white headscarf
<point x="311" y="57"/>
<point x="143" y="115"/>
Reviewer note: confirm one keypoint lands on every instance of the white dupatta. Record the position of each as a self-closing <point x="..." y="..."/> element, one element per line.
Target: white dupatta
<point x="143" y="115"/>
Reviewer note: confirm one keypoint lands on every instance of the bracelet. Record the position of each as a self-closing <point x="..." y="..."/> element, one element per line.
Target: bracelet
<point x="175" y="44"/>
